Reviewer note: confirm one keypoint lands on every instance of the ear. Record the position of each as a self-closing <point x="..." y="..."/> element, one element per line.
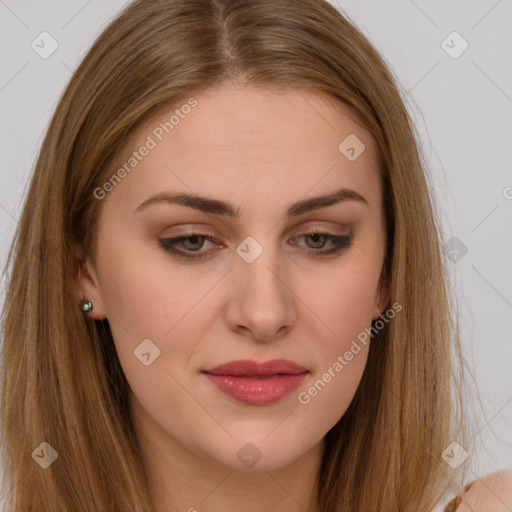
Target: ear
<point x="381" y="296"/>
<point x="86" y="284"/>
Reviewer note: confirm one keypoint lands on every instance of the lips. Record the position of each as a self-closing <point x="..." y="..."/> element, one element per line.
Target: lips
<point x="248" y="368"/>
<point x="256" y="383"/>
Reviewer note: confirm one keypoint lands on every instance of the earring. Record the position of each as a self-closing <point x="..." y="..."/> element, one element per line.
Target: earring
<point x="85" y="305"/>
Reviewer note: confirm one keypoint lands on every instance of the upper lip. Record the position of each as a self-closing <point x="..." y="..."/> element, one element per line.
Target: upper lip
<point x="250" y="368"/>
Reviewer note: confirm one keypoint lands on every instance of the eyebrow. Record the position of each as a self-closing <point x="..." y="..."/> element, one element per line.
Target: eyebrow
<point x="218" y="207"/>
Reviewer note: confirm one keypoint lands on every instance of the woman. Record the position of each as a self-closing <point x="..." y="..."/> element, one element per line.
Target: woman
<point x="226" y="286"/>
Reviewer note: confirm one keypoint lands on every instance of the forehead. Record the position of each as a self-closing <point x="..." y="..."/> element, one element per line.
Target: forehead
<point x="252" y="143"/>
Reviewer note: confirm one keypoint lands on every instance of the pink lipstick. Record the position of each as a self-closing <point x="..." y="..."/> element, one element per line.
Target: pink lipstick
<point x="256" y="383"/>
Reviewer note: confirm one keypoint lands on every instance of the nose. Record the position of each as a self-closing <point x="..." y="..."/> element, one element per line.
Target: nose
<point x="261" y="299"/>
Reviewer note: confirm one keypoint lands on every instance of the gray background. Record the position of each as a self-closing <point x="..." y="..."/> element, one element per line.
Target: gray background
<point x="463" y="111"/>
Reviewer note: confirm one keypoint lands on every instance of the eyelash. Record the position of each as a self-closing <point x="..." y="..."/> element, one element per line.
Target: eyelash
<point x="341" y="242"/>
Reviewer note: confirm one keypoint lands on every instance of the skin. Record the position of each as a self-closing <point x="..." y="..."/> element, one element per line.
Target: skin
<point x="492" y="493"/>
<point x="260" y="151"/>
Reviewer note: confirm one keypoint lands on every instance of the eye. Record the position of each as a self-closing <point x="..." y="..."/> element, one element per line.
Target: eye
<point x="193" y="243"/>
<point x="340" y="242"/>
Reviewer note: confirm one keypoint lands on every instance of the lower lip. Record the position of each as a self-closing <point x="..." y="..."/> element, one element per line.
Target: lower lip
<point x="257" y="390"/>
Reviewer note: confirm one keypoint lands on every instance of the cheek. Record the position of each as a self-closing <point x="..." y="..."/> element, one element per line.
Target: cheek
<point x="145" y="290"/>
<point x="327" y="396"/>
<point x="148" y="298"/>
<point x="339" y="365"/>
<point x="341" y="300"/>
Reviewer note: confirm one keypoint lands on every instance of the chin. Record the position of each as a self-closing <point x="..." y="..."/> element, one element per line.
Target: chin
<point x="257" y="455"/>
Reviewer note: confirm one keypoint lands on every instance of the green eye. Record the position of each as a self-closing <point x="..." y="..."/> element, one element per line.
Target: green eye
<point x="194" y="242"/>
<point x="319" y="238"/>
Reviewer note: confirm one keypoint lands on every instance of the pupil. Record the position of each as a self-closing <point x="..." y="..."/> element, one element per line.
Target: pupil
<point x="315" y="237"/>
<point x="193" y="239"/>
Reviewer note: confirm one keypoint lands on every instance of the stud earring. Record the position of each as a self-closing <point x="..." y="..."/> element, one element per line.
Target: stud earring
<point x="85" y="305"/>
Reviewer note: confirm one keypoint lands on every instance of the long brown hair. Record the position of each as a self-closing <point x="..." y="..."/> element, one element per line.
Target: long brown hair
<point x="62" y="381"/>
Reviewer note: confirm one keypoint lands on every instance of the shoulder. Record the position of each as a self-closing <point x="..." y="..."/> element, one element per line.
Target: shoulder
<point x="492" y="493"/>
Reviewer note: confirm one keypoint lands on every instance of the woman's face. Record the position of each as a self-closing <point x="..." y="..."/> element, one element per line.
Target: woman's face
<point x="261" y="287"/>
